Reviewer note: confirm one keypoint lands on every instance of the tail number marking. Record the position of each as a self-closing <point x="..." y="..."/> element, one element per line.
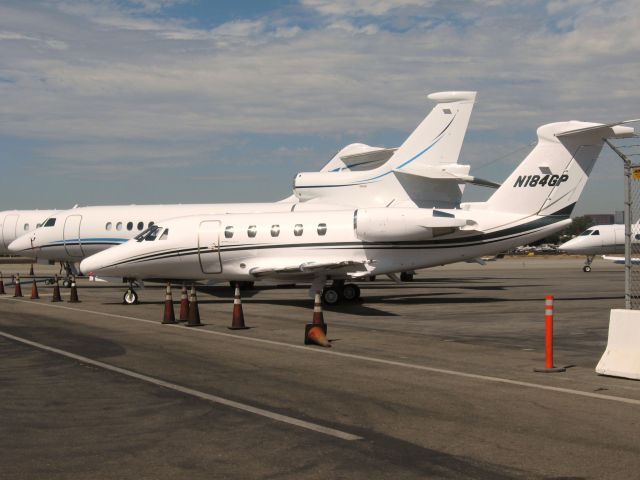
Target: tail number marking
<point x="540" y="180"/>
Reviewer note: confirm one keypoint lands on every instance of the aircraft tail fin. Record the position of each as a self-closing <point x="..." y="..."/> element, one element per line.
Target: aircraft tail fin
<point x="438" y="139"/>
<point x="550" y="179"/>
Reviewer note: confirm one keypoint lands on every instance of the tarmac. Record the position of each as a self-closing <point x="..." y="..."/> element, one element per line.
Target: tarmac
<point x="429" y="379"/>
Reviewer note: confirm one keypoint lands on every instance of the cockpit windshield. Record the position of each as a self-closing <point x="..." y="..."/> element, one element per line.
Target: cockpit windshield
<point x="148" y="235"/>
<point x="50" y="222"/>
<point x="586" y="232"/>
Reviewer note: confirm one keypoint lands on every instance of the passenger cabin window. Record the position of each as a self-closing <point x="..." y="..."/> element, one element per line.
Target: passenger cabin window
<point x="150" y="224"/>
<point x="38" y="225"/>
<point x="252" y="231"/>
<point x="164" y="235"/>
<point x="108" y="226"/>
<point x="26" y="226"/>
<point x="228" y="232"/>
<point x="297" y="230"/>
<point x="322" y="228"/>
<point x="275" y="230"/>
<point x="140" y="225"/>
<point x="119" y="226"/>
<point x="50" y="222"/>
<point x="130" y="226"/>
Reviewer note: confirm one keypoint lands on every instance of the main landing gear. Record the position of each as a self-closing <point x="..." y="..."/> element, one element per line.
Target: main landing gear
<point x="339" y="291"/>
<point x="69" y="271"/>
<point x="587" y="264"/>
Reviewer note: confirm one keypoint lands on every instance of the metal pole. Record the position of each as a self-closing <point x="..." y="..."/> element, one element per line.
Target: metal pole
<point x="627" y="224"/>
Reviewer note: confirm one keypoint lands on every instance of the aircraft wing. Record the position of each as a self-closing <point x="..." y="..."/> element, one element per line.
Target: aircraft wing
<point x="620" y="260"/>
<point x="307" y="267"/>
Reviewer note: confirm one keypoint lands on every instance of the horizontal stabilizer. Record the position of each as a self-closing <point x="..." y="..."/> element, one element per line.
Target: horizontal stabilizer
<point x="370" y="159"/>
<point x="456" y="173"/>
<point x="608" y="130"/>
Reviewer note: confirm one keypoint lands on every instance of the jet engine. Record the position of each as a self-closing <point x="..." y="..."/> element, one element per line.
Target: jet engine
<point x="403" y="224"/>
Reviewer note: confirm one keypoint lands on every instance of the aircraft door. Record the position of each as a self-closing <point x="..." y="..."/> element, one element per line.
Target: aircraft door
<point x="209" y="246"/>
<point x="71" y="236"/>
<point x="9" y="229"/>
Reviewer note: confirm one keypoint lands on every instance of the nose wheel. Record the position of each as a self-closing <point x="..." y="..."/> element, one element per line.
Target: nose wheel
<point x="130" y="297"/>
<point x="587" y="264"/>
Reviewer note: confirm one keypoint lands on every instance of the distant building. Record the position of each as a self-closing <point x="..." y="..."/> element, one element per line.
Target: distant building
<point x="601" y="218"/>
<point x="619" y="217"/>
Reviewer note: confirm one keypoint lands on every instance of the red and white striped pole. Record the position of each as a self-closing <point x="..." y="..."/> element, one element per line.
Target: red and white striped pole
<point x="548" y="335"/>
<point x="548" y="322"/>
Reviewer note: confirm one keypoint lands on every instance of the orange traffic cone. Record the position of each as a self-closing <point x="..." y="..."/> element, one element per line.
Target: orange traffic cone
<point x="184" y="305"/>
<point x="194" y="311"/>
<point x="73" y="298"/>
<point x="34" y="291"/>
<point x="18" y="292"/>
<point x="2" y="292"/>
<point x="169" y="316"/>
<point x="318" y="317"/>
<point x="237" y="321"/>
<point x="56" y="291"/>
<point x="316" y="332"/>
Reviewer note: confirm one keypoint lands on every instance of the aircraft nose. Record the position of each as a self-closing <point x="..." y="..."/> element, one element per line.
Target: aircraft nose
<point x="572" y="246"/>
<point x="92" y="264"/>
<point x="21" y="244"/>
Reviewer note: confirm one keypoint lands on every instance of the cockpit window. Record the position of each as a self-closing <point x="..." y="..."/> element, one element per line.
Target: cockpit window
<point x="586" y="232"/>
<point x="596" y="232"/>
<point x="50" y="222"/>
<point x="164" y="235"/>
<point x="149" y="234"/>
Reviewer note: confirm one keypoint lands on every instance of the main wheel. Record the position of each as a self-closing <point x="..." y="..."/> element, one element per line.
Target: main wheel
<point x="406" y="277"/>
<point x="130" y="297"/>
<point x="330" y="296"/>
<point x="350" y="292"/>
<point x="586" y="268"/>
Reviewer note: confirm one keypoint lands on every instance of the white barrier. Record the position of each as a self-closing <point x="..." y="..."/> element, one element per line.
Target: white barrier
<point x="622" y="356"/>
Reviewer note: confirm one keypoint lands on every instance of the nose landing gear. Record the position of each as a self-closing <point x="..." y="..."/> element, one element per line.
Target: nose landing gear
<point x="587" y="264"/>
<point x="130" y="297"/>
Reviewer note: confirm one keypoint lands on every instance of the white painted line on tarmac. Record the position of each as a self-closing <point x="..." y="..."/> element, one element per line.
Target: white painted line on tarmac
<point x="190" y="391"/>
<point x="323" y="351"/>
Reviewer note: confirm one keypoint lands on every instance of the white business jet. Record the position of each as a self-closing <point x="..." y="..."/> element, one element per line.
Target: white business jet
<point x="602" y="240"/>
<point x="535" y="201"/>
<point x="15" y="223"/>
<point x="422" y="172"/>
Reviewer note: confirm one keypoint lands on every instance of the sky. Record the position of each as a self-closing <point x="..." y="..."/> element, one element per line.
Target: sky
<point x="185" y="101"/>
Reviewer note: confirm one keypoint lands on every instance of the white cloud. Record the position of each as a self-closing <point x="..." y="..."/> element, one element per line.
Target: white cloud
<point x="360" y="7"/>
<point x="129" y="76"/>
